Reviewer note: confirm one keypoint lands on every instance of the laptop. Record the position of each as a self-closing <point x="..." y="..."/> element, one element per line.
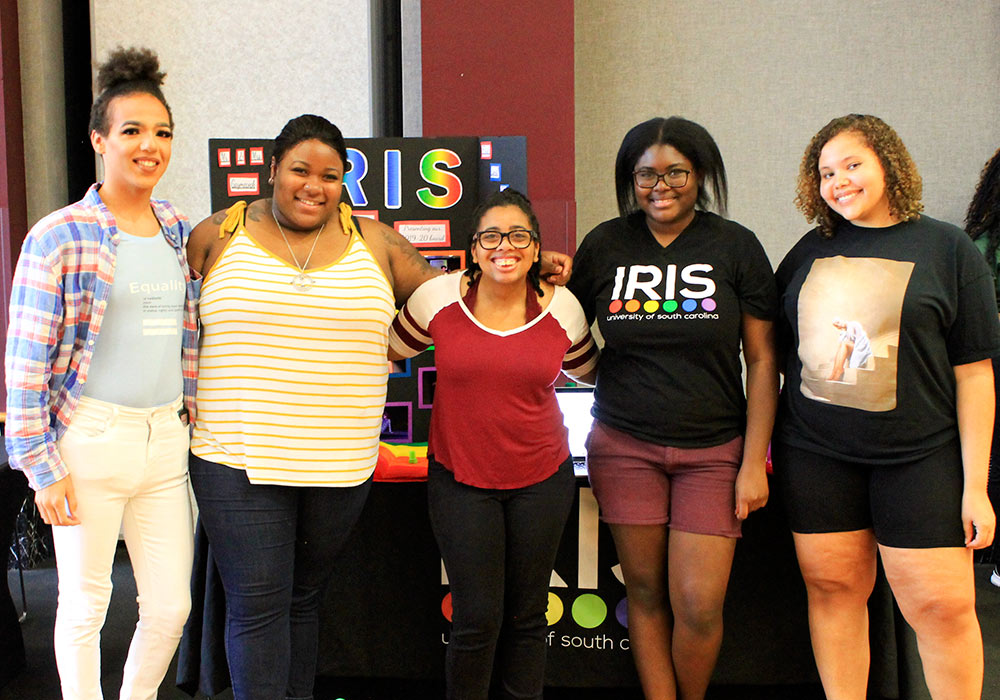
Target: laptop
<point x="575" y="404"/>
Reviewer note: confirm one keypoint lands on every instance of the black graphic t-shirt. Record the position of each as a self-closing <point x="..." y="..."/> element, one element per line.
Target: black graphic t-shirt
<point x="872" y="323"/>
<point x="670" y="370"/>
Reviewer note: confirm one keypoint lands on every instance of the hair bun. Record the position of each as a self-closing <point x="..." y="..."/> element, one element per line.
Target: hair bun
<point x="129" y="65"/>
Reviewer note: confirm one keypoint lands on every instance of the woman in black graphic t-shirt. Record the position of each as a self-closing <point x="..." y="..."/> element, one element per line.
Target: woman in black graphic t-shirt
<point x="892" y="458"/>
<point x="677" y="452"/>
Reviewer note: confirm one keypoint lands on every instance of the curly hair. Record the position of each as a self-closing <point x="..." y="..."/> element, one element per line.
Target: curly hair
<point x="126" y="72"/>
<point x="688" y="137"/>
<point x="983" y="217"/>
<point x="507" y="198"/>
<point x="903" y="185"/>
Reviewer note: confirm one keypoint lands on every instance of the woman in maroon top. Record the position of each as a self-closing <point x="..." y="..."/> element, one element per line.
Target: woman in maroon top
<point x="500" y="482"/>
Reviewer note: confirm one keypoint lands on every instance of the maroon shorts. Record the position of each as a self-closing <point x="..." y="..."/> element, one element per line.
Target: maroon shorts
<point x="641" y="483"/>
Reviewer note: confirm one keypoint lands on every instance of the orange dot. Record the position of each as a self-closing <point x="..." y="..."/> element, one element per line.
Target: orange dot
<point x="632" y="305"/>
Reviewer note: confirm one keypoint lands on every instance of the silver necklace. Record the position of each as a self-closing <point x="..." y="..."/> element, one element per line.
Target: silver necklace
<point x="302" y="281"/>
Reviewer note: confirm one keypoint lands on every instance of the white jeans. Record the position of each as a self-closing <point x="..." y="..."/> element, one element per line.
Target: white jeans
<point x="129" y="471"/>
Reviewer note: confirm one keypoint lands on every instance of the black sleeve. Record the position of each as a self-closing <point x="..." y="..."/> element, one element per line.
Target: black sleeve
<point x="975" y="333"/>
<point x="784" y="337"/>
<point x="755" y="281"/>
<point x="584" y="276"/>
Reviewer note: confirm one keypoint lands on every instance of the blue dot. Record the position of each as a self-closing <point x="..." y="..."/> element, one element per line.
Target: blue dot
<point x="621" y="612"/>
<point x="689" y="305"/>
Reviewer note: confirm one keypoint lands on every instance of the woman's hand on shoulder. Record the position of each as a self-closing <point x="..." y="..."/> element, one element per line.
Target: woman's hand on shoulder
<point x="556" y="267"/>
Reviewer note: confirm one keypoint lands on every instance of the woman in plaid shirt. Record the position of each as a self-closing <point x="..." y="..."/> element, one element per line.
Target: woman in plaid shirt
<point x="100" y="366"/>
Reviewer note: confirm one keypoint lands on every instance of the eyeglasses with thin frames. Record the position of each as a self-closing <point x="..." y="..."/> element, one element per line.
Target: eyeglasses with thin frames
<point x="674" y="178"/>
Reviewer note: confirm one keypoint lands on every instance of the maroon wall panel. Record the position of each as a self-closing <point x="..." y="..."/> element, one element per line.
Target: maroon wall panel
<point x="507" y="69"/>
<point x="13" y="207"/>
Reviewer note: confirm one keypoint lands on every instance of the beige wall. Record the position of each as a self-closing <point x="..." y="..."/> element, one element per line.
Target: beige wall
<point x="764" y="75"/>
<point x="242" y="69"/>
<point x="39" y="25"/>
<point x="413" y="107"/>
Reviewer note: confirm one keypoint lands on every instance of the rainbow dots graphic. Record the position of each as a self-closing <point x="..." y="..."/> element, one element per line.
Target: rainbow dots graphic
<point x="669" y="306"/>
<point x="589" y="610"/>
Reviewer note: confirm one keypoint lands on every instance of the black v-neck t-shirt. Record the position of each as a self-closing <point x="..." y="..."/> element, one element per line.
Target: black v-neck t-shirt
<point x="670" y="370"/>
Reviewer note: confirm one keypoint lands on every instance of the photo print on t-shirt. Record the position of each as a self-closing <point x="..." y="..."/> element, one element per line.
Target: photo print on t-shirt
<point x="849" y="314"/>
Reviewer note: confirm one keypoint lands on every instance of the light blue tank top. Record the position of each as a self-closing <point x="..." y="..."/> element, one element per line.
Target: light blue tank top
<point x="137" y="357"/>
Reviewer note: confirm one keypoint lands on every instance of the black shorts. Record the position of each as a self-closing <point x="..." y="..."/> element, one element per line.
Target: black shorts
<point x="915" y="505"/>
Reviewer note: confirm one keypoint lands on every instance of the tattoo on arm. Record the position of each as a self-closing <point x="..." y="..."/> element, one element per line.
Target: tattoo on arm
<point x="416" y="258"/>
<point x="389" y="237"/>
<point x="254" y="210"/>
<point x="409" y="267"/>
<point x="411" y="254"/>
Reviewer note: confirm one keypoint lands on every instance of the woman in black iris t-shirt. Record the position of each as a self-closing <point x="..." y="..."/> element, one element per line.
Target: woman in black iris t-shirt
<point x="677" y="452"/>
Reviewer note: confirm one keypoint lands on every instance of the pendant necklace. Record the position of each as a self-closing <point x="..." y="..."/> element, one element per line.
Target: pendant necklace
<point x="302" y="281"/>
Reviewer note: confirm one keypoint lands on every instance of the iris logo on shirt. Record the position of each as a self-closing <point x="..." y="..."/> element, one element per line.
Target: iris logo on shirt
<point x="667" y="291"/>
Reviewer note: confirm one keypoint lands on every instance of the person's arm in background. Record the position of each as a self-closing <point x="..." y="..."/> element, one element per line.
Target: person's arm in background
<point x="976" y="405"/>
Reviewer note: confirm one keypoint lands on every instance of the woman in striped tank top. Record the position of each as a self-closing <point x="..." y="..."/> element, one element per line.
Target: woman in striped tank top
<point x="297" y="297"/>
<point x="296" y="302"/>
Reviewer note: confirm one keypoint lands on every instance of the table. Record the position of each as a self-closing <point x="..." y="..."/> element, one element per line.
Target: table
<point x="382" y="616"/>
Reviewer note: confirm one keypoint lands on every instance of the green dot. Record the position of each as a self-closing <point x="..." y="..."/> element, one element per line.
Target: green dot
<point x="670" y="306"/>
<point x="589" y="611"/>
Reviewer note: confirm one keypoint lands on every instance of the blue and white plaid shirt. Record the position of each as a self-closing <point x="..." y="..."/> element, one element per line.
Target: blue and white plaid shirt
<point x="60" y="292"/>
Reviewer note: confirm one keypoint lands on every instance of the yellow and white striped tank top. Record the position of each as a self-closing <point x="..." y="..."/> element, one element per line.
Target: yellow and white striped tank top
<point x="291" y="384"/>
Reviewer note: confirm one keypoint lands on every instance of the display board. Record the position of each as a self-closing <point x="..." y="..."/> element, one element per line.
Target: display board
<point x="425" y="188"/>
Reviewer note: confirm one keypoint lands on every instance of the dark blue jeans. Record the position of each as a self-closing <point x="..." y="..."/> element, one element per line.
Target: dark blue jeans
<point x="499" y="547"/>
<point x="274" y="547"/>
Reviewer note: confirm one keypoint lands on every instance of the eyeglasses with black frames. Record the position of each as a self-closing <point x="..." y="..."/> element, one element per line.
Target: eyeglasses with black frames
<point x="518" y="237"/>
<point x="647" y="178"/>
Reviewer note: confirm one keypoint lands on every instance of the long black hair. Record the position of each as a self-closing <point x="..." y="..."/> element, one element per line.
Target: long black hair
<point x="983" y="217"/>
